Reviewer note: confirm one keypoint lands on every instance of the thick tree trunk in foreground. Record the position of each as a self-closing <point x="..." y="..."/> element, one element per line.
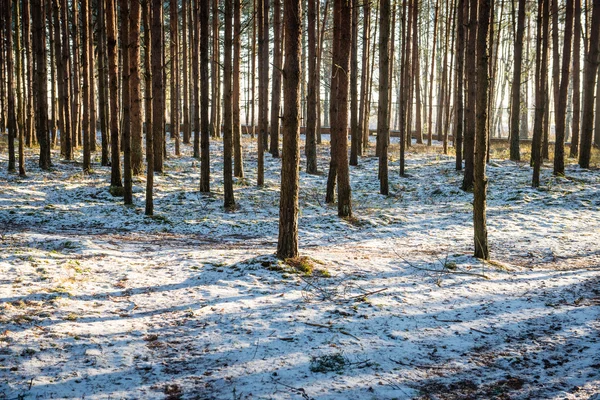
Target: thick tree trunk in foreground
<point x="383" y="129"/>
<point x="287" y="245"/>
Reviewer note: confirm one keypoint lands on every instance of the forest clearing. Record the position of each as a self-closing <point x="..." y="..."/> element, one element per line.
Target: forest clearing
<point x="100" y="301"/>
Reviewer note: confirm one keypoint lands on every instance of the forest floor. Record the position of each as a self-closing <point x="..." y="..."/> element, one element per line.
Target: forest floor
<point x="98" y="301"/>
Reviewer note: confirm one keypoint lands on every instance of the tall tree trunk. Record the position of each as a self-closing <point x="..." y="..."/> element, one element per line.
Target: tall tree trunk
<point x="146" y="17"/>
<point x="229" y="200"/>
<point x="203" y="122"/>
<point x="20" y="88"/>
<point x="158" y="94"/>
<point x="310" y="147"/>
<point x="28" y="46"/>
<point x="364" y="78"/>
<point x="66" y="134"/>
<point x="12" y="110"/>
<point x="263" y="77"/>
<point x="516" y="85"/>
<point x="561" y="110"/>
<point x="287" y="245"/>
<point x="342" y="39"/>
<point x="540" y="86"/>
<point x="383" y="119"/>
<point x="252" y="73"/>
<point x="480" y="179"/>
<point x="91" y="55"/>
<point x="111" y="41"/>
<point x="238" y="165"/>
<point x="135" y="15"/>
<point x="576" y="81"/>
<point x="276" y="81"/>
<point x="216" y="80"/>
<point x="433" y="48"/>
<point x="187" y="134"/>
<point x="355" y="134"/>
<point x="460" y="87"/>
<point x="471" y="74"/>
<point x="40" y="86"/>
<point x="591" y="62"/>
<point x="76" y="81"/>
<point x="102" y="84"/>
<point x="126" y="102"/>
<point x="416" y="72"/>
<point x="87" y="92"/>
<point x="197" y="22"/>
<point x="174" y="50"/>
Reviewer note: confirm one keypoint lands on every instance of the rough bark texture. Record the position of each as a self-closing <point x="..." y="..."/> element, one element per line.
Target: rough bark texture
<point x="310" y="146"/>
<point x="228" y="199"/>
<point x="111" y="42"/>
<point x="383" y="129"/>
<point x="12" y="111"/>
<point x="541" y="70"/>
<point x="287" y="245"/>
<point x="515" y="116"/>
<point x="480" y="180"/>
<point x="126" y="103"/>
<point x="591" y="62"/>
<point x="471" y="73"/>
<point x="204" y="99"/>
<point x="198" y="21"/>
<point x="20" y="91"/>
<point x="561" y="103"/>
<point x="364" y="80"/>
<point x="576" y="81"/>
<point x="186" y="98"/>
<point x="135" y="14"/>
<point x="460" y="89"/>
<point x="158" y="94"/>
<point x="40" y="86"/>
<point x="355" y="134"/>
<point x="238" y="164"/>
<point x="263" y="78"/>
<point x="174" y="50"/>
<point x="276" y="80"/>
<point x="342" y="38"/>
<point x="146" y="15"/>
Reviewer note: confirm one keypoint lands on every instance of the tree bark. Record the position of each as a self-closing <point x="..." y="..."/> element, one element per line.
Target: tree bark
<point x="146" y="17"/>
<point x="515" y="116"/>
<point x="310" y="148"/>
<point x="203" y="121"/>
<point x="541" y="85"/>
<point x="238" y="163"/>
<point x="135" y="87"/>
<point x="158" y="94"/>
<point x="355" y="134"/>
<point x="471" y="75"/>
<point x="276" y="80"/>
<point x="574" y="151"/>
<point x="12" y="110"/>
<point x="40" y="86"/>
<point x="175" y="89"/>
<point x="591" y="62"/>
<point x="287" y="245"/>
<point x="383" y="129"/>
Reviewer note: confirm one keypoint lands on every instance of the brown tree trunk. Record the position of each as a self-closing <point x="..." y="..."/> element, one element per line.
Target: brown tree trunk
<point x="216" y="71"/>
<point x="287" y="245"/>
<point x="263" y="77"/>
<point x="433" y="48"/>
<point x="111" y="41"/>
<point x="126" y="102"/>
<point x="576" y="81"/>
<point x="310" y="148"/>
<point x="561" y="110"/>
<point x="480" y="179"/>
<point x="383" y="129"/>
<point x="540" y="86"/>
<point x="102" y="84"/>
<point x="158" y="94"/>
<point x="229" y="200"/>
<point x="515" y="116"/>
<point x="364" y="79"/>
<point x="355" y="134"/>
<point x="416" y="73"/>
<point x="187" y="134"/>
<point x="135" y="14"/>
<point x="174" y="52"/>
<point x="197" y="22"/>
<point x="591" y="62"/>
<point x="471" y="76"/>
<point x="40" y="86"/>
<point x="238" y="165"/>
<point x="76" y="81"/>
<point x="146" y="17"/>
<point x="87" y="92"/>
<point x="28" y="46"/>
<point x="20" y="91"/>
<point x="203" y="122"/>
<point x="460" y="87"/>
<point x="12" y="110"/>
<point x="276" y="80"/>
<point x="342" y="39"/>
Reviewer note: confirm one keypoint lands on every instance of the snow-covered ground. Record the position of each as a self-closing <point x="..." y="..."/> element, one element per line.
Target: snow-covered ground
<point x="98" y="301"/>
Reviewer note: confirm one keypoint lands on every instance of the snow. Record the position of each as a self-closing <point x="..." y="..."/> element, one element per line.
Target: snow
<point x="98" y="301"/>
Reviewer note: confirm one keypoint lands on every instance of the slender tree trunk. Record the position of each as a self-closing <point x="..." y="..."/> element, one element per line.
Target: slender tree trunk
<point x="158" y="95"/>
<point x="364" y="79"/>
<point x="470" y="115"/>
<point x="460" y="87"/>
<point x="203" y="123"/>
<point x="111" y="40"/>
<point x="197" y="36"/>
<point x="591" y="62"/>
<point x="187" y="134"/>
<point x="29" y="113"/>
<point x="342" y="38"/>
<point x="135" y="15"/>
<point x="515" y="116"/>
<point x="355" y="133"/>
<point x="561" y="110"/>
<point x="576" y="81"/>
<point x="87" y="92"/>
<point x="263" y="74"/>
<point x="429" y="118"/>
<point x="366" y="127"/>
<point x="238" y="165"/>
<point x="287" y="245"/>
<point x="416" y="72"/>
<point x="540" y="95"/>
<point x="67" y="133"/>
<point x="597" y="114"/>
<point x="312" y="119"/>
<point x="102" y="84"/>
<point x="229" y="200"/>
<point x="252" y="73"/>
<point x="12" y="110"/>
<point x="146" y="17"/>
<point x="216" y="80"/>
<point x="76" y="81"/>
<point x="20" y="84"/>
<point x="383" y="129"/>
<point x="480" y="179"/>
<point x="276" y="81"/>
<point x="126" y="102"/>
<point x="93" y="117"/>
<point x="175" y="89"/>
<point x="40" y="86"/>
